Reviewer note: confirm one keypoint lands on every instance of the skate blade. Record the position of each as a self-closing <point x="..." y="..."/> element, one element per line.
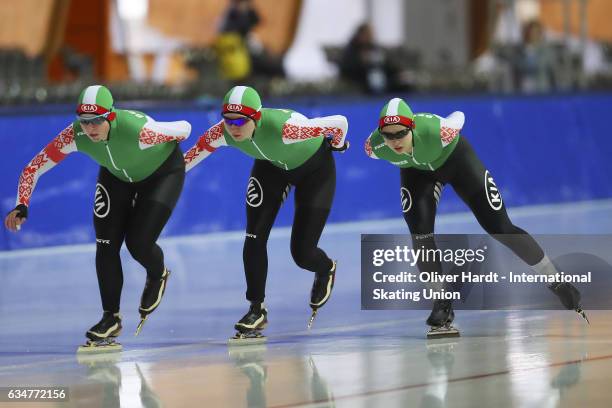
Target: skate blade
<point x="442" y="346"/>
<point x="583" y="315"/>
<point x="92" y="359"/>
<point x="99" y="349"/>
<point x="139" y="327"/>
<point x="246" y="340"/>
<point x="249" y="351"/>
<point x="312" y="318"/>
<point x="442" y="333"/>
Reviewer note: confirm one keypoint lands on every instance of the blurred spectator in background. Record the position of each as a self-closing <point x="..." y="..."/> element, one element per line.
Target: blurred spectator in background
<point x="236" y="38"/>
<point x="79" y="66"/>
<point x="528" y="58"/>
<point x="366" y="64"/>
<point x="241" y="17"/>
<point x="536" y="64"/>
<point x="233" y="56"/>
<point x="133" y="36"/>
<point x="498" y="64"/>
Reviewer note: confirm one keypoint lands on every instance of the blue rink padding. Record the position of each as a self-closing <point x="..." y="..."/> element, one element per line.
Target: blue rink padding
<point x="541" y="149"/>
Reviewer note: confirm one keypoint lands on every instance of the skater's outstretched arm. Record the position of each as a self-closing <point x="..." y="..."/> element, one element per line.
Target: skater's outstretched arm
<point x="368" y="147"/>
<point x="45" y="160"/>
<point x="299" y="128"/>
<point x="431" y="140"/>
<point x="212" y="139"/>
<point x="450" y="127"/>
<point x="154" y="133"/>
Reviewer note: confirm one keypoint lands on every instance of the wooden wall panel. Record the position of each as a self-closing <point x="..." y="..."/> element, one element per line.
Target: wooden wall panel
<point x="479" y="27"/>
<point x="599" y="13"/>
<point x="25" y="24"/>
<point x="85" y="30"/>
<point x="196" y="21"/>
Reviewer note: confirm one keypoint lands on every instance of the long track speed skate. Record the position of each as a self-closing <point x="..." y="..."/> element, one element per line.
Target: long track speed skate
<point x="321" y="291"/>
<point x="442" y="332"/>
<point x="569" y="297"/>
<point x="248" y="329"/>
<point x="441" y="321"/>
<point x="151" y="297"/>
<point x="108" y="345"/>
<point x="249" y="338"/>
<point x="102" y="337"/>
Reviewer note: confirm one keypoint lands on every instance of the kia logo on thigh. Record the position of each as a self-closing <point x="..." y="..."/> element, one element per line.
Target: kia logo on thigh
<point x="406" y="199"/>
<point x="493" y="194"/>
<point x="254" y="196"/>
<point x="101" y="201"/>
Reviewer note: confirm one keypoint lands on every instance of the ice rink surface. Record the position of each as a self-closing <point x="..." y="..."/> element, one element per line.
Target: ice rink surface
<point x="351" y="358"/>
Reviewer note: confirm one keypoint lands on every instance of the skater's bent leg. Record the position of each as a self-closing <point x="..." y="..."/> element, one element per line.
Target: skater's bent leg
<point x="266" y="191"/>
<point x="154" y="205"/>
<point x="112" y="204"/>
<point x="255" y="259"/>
<point x="149" y="220"/>
<point x="110" y="275"/>
<point x="255" y="250"/>
<point x="495" y="221"/>
<point x="427" y="244"/>
<point x="419" y="198"/>
<point x="498" y="225"/>
<point x="308" y="225"/>
<point x="476" y="187"/>
<point x="314" y="196"/>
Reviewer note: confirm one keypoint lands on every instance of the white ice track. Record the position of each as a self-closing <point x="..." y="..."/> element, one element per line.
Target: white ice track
<point x="351" y="358"/>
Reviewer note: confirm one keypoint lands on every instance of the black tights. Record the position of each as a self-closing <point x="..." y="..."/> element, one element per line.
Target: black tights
<point x="467" y="175"/>
<point x="315" y="183"/>
<point x="135" y="213"/>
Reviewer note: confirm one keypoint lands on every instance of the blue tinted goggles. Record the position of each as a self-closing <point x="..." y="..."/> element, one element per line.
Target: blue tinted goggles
<point x="236" y="121"/>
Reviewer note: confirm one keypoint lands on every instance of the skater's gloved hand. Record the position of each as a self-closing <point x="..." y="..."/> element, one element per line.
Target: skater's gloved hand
<point x="340" y="149"/>
<point x="16" y="217"/>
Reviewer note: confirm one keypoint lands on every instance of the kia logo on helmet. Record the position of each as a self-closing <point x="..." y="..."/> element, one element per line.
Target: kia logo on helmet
<point x="391" y="119"/>
<point x="88" y="108"/>
<point x="234" y="107"/>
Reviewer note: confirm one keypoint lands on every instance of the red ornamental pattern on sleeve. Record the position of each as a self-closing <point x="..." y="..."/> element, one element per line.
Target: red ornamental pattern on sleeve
<point x="368" y="148"/>
<point x="54" y="149"/>
<point x="28" y="177"/>
<point x="205" y="143"/>
<point x="191" y="154"/>
<point x="53" y="152"/>
<point x="448" y="135"/>
<point x="152" y="138"/>
<point x="213" y="134"/>
<point x="294" y="132"/>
